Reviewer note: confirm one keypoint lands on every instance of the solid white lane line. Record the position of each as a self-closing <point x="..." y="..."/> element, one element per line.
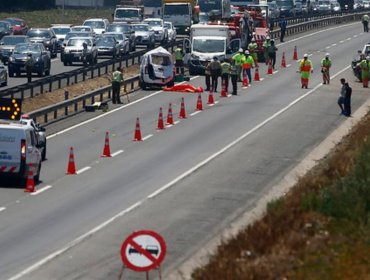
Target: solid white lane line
<point x="288" y="65"/>
<point x="82" y="170"/>
<point x="341" y="42"/>
<point x="117" y="153"/>
<point x="195" y="113"/>
<point x="348" y="39"/>
<point x="74" y="243"/>
<point x="210" y="105"/>
<point x="328" y="47"/>
<point x="147" y="137"/>
<point x="2" y="209"/>
<point x="275" y="71"/>
<point x="217" y="101"/>
<point x="83" y="237"/>
<point x="355" y="36"/>
<point x="42" y="190"/>
<point x="176" y="122"/>
<point x="333" y="45"/>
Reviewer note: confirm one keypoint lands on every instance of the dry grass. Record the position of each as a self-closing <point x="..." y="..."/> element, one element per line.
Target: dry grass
<point x="295" y="240"/>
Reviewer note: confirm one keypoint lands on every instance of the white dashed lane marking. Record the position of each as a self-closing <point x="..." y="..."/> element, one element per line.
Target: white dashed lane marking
<point x="117" y="153"/>
<point x="82" y="170"/>
<point x="195" y="113"/>
<point x="2" y="209"/>
<point x="147" y="137"/>
<point x="42" y="190"/>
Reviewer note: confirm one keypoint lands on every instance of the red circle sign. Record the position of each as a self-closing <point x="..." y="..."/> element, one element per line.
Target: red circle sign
<point x="143" y="250"/>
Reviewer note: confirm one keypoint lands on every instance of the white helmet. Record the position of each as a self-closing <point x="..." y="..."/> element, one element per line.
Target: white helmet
<point x="246" y="52"/>
<point x="305" y="55"/>
<point x="327" y="54"/>
<point x="241" y="50"/>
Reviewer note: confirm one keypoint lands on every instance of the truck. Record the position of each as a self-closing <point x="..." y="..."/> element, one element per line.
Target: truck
<point x="182" y="14"/>
<point x="129" y="13"/>
<point x="152" y="8"/>
<point x="219" y="9"/>
<point x="208" y="41"/>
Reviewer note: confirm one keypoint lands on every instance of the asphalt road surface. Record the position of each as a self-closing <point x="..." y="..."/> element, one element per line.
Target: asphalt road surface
<point x="186" y="182"/>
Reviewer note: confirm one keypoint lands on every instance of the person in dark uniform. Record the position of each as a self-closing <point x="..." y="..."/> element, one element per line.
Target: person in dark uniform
<point x="29" y="67"/>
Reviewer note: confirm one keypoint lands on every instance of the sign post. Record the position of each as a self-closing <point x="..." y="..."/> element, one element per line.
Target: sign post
<point x="143" y="251"/>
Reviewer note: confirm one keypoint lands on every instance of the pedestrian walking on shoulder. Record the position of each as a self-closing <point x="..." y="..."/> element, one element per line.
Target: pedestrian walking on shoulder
<point x="282" y="24"/>
<point x="272" y="53"/>
<point x="347" y="100"/>
<point x="305" y="69"/>
<point x="325" y="67"/>
<point x="29" y="67"/>
<point x="365" y="22"/>
<point x="364" y="66"/>
<point x="234" y="77"/>
<point x="117" y="79"/>
<point x="215" y="72"/>
<point x="342" y="96"/>
<point x="225" y="73"/>
<point x="207" y="73"/>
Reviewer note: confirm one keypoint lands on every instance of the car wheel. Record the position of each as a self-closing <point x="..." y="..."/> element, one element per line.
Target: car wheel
<point x="18" y="74"/>
<point x="96" y="60"/>
<point x="11" y="74"/>
<point x="47" y="72"/>
<point x="143" y="85"/>
<point x="134" y="47"/>
<point x="41" y="72"/>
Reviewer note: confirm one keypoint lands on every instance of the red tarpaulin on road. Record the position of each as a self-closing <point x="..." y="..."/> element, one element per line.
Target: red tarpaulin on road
<point x="184" y="88"/>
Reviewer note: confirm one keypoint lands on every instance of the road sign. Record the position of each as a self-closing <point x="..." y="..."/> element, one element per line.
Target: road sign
<point x="10" y="108"/>
<point x="143" y="250"/>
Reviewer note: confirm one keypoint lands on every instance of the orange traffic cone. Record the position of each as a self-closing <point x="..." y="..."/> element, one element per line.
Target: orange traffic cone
<point x="223" y="89"/>
<point x="245" y="79"/>
<point x="269" y="69"/>
<point x="182" y="114"/>
<point x="283" y="62"/>
<point x="106" y="151"/>
<point x="295" y="54"/>
<point x="160" y="120"/>
<point x="71" y="169"/>
<point x="199" y="106"/>
<point x="30" y="184"/>
<point x="137" y="136"/>
<point x="210" y="97"/>
<point x="169" y="115"/>
<point x="257" y="75"/>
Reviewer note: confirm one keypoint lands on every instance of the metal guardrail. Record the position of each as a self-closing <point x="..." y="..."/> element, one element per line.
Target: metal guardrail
<point x="67" y="78"/>
<point x="77" y="104"/>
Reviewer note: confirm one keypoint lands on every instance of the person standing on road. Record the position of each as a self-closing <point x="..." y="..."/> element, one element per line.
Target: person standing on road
<point x="248" y="64"/>
<point x="238" y="58"/>
<point x="225" y="73"/>
<point x="207" y="73"/>
<point x="29" y="67"/>
<point x="282" y="24"/>
<point x="325" y="67"/>
<point x="347" y="100"/>
<point x="234" y="77"/>
<point x="117" y="79"/>
<point x="215" y="72"/>
<point x="342" y="96"/>
<point x="272" y="53"/>
<point x="364" y="66"/>
<point x="253" y="49"/>
<point x="266" y="44"/>
<point x="179" y="63"/>
<point x="365" y="22"/>
<point x="305" y="69"/>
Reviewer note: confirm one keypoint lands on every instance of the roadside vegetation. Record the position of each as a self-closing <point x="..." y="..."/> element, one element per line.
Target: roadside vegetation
<point x="44" y="18"/>
<point x="319" y="230"/>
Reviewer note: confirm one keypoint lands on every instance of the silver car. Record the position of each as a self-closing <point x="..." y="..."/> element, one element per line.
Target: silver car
<point x="3" y="75"/>
<point x="123" y="42"/>
<point x="144" y="34"/>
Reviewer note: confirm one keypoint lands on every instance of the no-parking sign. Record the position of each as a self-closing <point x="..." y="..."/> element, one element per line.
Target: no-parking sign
<point x="143" y="250"/>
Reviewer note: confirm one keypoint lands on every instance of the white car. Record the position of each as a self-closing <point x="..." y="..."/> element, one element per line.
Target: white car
<point x="99" y="25"/>
<point x="171" y="30"/>
<point x="61" y="31"/>
<point x="160" y="31"/>
<point x="144" y="35"/>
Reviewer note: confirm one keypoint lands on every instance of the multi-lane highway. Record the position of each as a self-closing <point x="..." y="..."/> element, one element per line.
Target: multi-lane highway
<point x="186" y="182"/>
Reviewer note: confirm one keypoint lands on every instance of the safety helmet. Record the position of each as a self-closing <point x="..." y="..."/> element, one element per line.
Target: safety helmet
<point x="241" y="50"/>
<point x="246" y="52"/>
<point x="327" y="54"/>
<point x="305" y="55"/>
<point x="268" y="37"/>
<point x="253" y="39"/>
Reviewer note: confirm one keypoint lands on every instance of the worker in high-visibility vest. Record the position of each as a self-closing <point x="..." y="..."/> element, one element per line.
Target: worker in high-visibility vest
<point x="207" y="74"/>
<point x="248" y="64"/>
<point x="253" y="49"/>
<point x="365" y="22"/>
<point x="266" y="44"/>
<point x="325" y="67"/>
<point x="365" y="65"/>
<point x="179" y="64"/>
<point x="239" y="57"/>
<point x="225" y="73"/>
<point x="305" y="69"/>
<point x="117" y="79"/>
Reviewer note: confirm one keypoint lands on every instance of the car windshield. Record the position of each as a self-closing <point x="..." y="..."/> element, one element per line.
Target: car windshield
<point x="94" y="24"/>
<point x="168" y="25"/>
<point x="77" y="34"/>
<point x="208" y="45"/>
<point x="140" y="27"/>
<point x="14" y="21"/>
<point x="161" y="60"/>
<point x="152" y="3"/>
<point x="118" y="28"/>
<point x="4" y="25"/>
<point x="26" y="48"/>
<point x="119" y="36"/>
<point x="209" y="5"/>
<point x="77" y="42"/>
<point x="105" y="41"/>
<point x="154" y="22"/>
<point x="81" y="28"/>
<point x="127" y="13"/>
<point x="61" y="30"/>
<point x="39" y="34"/>
<point x="176" y="9"/>
<point x="12" y="40"/>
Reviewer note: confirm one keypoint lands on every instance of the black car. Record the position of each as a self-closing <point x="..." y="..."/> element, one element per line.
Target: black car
<point x="107" y="45"/>
<point x="5" y="28"/>
<point x="7" y="45"/>
<point x="40" y="56"/>
<point x="45" y="36"/>
<point x="127" y="30"/>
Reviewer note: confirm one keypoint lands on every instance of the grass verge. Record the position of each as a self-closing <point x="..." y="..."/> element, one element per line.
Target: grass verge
<point x="319" y="230"/>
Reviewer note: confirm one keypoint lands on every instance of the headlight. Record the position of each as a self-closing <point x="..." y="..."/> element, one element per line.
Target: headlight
<point x="47" y="42"/>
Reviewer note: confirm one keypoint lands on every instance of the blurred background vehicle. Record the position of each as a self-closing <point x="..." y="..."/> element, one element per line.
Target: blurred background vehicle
<point x="8" y="43"/>
<point x="127" y="30"/>
<point x="171" y="31"/>
<point x="46" y="36"/>
<point x="99" y="25"/>
<point x="123" y="43"/>
<point x="3" y="75"/>
<point x="144" y="35"/>
<point x="107" y="46"/>
<point x="19" y="26"/>
<point x="5" y="28"/>
<point x="60" y="31"/>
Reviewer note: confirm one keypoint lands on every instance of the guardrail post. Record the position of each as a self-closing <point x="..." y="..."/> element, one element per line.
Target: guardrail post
<point x="126" y="62"/>
<point x="99" y="74"/>
<point x="45" y="117"/>
<point x="106" y="68"/>
<point x="50" y="85"/>
<point x="76" y="107"/>
<point x="92" y="73"/>
<point x="68" y="80"/>
<point x="83" y="75"/>
<point x="66" y="96"/>
<point x="55" y="114"/>
<point x="76" y="78"/>
<point x="41" y="87"/>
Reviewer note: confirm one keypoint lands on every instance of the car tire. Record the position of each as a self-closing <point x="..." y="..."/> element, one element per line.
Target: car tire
<point x="41" y="72"/>
<point x="47" y="72"/>
<point x="143" y="85"/>
<point x="11" y="74"/>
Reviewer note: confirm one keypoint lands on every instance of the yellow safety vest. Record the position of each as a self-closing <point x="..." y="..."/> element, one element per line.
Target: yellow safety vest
<point x="117" y="76"/>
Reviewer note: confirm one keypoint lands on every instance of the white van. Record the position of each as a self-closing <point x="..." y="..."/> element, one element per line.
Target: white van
<point x="99" y="25"/>
<point x="19" y="148"/>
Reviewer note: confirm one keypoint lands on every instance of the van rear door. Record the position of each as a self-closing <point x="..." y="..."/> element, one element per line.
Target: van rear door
<point x="10" y="150"/>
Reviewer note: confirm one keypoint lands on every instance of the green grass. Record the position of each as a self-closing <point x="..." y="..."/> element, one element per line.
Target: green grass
<point x="45" y="18"/>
